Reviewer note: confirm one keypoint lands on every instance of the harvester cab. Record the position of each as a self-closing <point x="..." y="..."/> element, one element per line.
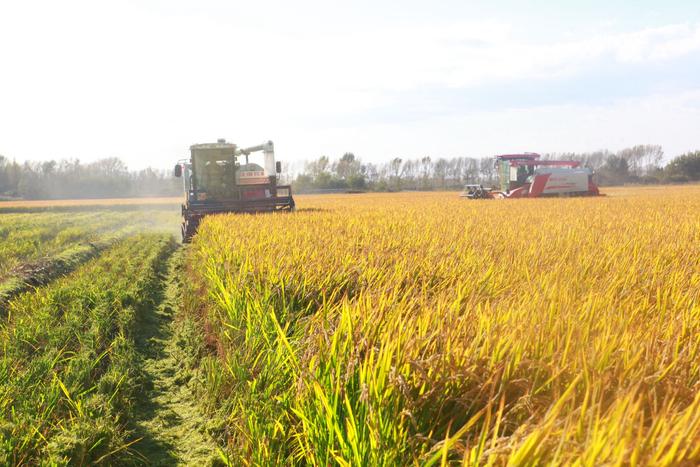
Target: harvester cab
<point x="221" y="177"/>
<point x="528" y="176"/>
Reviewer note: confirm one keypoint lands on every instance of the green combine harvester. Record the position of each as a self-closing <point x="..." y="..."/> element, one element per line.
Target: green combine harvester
<point x="220" y="178"/>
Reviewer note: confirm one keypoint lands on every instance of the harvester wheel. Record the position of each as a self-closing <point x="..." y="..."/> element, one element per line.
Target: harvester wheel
<point x="183" y="231"/>
<point x="189" y="228"/>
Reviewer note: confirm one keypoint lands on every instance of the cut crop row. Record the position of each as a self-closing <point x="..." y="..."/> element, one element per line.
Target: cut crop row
<point x="69" y="368"/>
<point x="27" y="238"/>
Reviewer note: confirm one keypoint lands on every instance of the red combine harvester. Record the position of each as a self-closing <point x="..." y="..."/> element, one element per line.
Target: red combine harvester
<point x="528" y="176"/>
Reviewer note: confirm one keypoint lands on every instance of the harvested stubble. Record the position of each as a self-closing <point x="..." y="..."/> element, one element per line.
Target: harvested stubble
<point x="421" y="328"/>
<point x="36" y="237"/>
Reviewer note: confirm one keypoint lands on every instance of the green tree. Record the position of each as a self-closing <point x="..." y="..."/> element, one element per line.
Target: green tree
<point x="685" y="167"/>
<point x="348" y="166"/>
<point x="357" y="182"/>
<point x="395" y="165"/>
<point x="614" y="171"/>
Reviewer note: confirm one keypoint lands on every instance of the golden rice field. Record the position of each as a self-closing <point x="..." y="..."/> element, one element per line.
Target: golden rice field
<point x="423" y="329"/>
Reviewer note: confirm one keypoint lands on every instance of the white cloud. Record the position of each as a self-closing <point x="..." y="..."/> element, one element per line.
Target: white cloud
<point x="143" y="82"/>
<point x="667" y="119"/>
<point x="513" y="59"/>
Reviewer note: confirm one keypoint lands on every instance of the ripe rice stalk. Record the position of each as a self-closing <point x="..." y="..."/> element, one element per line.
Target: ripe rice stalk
<point x="416" y="328"/>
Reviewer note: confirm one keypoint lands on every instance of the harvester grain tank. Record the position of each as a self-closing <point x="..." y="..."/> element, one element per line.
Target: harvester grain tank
<point x="220" y="177"/>
<point x="528" y="176"/>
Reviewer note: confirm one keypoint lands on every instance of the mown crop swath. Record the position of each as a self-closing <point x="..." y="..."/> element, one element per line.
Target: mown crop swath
<point x="32" y="236"/>
<point x="418" y="328"/>
<point x="68" y="367"/>
<point x="26" y="237"/>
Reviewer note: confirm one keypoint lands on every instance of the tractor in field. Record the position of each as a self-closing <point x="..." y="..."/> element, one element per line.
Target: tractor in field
<point x="527" y="176"/>
<point x="220" y="178"/>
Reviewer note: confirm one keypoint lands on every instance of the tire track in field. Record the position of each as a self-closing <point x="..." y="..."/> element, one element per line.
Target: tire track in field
<point x="169" y="420"/>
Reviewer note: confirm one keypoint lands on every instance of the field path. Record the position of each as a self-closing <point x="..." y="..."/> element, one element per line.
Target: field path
<point x="169" y="423"/>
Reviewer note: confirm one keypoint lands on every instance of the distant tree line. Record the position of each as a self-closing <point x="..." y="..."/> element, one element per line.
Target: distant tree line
<point x="110" y="177"/>
<point x="638" y="164"/>
<point x="105" y="178"/>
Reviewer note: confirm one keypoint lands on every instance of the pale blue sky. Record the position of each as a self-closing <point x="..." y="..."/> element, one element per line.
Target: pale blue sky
<point x="143" y="80"/>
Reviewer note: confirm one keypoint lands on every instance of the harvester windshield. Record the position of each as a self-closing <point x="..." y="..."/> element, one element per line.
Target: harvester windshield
<point x="215" y="169"/>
